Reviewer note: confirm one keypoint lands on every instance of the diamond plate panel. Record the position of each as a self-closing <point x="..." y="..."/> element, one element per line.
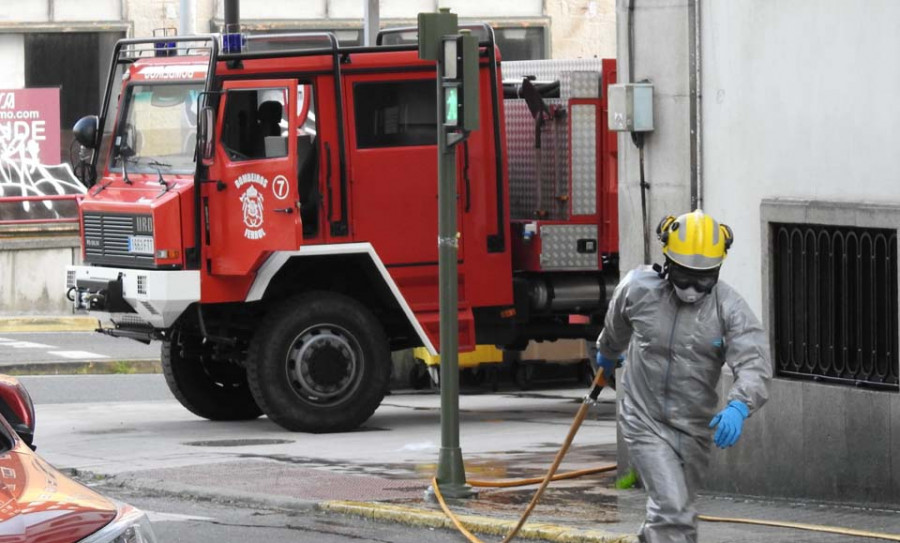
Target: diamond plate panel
<point x="584" y="159"/>
<point x="585" y="84"/>
<point x="559" y="247"/>
<point x="524" y="202"/>
<point x="551" y="70"/>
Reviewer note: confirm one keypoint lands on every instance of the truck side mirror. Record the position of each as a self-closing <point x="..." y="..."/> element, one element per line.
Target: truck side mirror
<point x="85" y="131"/>
<point x="206" y="135"/>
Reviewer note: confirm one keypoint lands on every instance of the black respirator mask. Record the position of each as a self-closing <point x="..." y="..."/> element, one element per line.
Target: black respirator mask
<point x="690" y="285"/>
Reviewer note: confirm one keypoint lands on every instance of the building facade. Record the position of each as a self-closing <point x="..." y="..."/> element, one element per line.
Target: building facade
<point x="779" y="120"/>
<point x="68" y="43"/>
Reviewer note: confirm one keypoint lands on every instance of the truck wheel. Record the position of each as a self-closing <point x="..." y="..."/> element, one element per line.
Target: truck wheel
<point x="319" y="363"/>
<point x="209" y="389"/>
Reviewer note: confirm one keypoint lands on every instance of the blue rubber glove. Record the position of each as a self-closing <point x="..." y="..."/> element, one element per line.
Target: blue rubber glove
<point x="609" y="368"/>
<point x="730" y="422"/>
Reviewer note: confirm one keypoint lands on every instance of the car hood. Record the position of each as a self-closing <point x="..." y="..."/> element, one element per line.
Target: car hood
<point x="38" y="504"/>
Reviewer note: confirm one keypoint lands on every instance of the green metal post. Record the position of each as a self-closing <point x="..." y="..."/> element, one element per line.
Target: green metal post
<point x="451" y="473"/>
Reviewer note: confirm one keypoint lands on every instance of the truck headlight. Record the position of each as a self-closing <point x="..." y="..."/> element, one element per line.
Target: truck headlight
<point x="130" y="526"/>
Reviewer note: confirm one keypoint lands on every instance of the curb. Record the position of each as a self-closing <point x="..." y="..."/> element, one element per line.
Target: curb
<point x="487" y="525"/>
<point x="48" y="324"/>
<point x="105" y="367"/>
<point x="181" y="490"/>
<point x="380" y="512"/>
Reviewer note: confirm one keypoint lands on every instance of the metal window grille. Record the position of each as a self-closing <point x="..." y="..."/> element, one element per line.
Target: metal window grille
<point x="835" y="304"/>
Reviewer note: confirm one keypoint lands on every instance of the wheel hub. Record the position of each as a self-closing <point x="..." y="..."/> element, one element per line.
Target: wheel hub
<point x="324" y="364"/>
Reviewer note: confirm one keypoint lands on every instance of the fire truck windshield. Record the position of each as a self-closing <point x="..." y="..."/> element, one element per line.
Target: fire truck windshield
<point x="157" y="128"/>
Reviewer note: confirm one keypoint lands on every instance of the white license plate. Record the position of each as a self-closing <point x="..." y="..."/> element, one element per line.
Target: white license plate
<point x="140" y="244"/>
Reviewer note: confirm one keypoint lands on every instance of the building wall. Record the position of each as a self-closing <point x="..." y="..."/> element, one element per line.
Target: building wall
<point x="798" y="125"/>
<point x="32" y="274"/>
<point x="145" y="16"/>
<point x="816" y="440"/>
<point x="12" y="61"/>
<point x="582" y="28"/>
<point x="791" y="114"/>
<point x="660" y="55"/>
<point x="800" y="104"/>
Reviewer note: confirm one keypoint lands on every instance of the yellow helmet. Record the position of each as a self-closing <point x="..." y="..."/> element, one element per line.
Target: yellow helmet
<point x="695" y="240"/>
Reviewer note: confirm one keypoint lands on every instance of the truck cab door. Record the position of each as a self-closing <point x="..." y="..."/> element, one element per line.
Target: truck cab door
<point x="251" y="203"/>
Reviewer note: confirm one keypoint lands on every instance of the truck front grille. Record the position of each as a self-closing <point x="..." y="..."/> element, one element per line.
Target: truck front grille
<point x="106" y="240"/>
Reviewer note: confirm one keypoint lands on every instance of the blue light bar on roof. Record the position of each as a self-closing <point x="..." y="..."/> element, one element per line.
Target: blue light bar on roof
<point x="165" y="49"/>
<point x="233" y="43"/>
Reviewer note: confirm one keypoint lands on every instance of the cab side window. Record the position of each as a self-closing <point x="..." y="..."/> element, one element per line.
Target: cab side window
<point x="255" y="124"/>
<point x="395" y="113"/>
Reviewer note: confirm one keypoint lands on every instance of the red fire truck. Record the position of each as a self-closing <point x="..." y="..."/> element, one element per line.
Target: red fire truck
<point x="269" y="213"/>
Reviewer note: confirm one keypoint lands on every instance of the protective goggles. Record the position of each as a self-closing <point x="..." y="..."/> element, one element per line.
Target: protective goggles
<point x="684" y="278"/>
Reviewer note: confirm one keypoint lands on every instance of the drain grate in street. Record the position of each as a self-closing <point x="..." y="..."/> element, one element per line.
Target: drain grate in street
<point x="237" y="442"/>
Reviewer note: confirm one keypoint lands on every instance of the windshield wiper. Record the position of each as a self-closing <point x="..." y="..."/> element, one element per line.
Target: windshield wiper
<point x="101" y="188"/>
<point x="125" y="154"/>
<point x="157" y="165"/>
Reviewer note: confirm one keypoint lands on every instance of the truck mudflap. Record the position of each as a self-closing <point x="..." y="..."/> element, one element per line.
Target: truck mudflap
<point x="157" y="297"/>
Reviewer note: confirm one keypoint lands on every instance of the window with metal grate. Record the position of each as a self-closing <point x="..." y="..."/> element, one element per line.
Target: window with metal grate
<point x="835" y="304"/>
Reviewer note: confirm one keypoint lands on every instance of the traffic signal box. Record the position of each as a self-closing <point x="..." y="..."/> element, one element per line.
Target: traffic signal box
<point x="457" y="55"/>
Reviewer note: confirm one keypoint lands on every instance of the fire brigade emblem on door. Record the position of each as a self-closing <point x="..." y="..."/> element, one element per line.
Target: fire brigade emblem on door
<point x="252" y="204"/>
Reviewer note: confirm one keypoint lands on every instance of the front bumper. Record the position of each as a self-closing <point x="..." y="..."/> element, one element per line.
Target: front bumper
<point x="157" y="297"/>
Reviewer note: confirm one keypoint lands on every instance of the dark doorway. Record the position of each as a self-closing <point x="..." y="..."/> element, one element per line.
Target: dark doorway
<point x="77" y="63"/>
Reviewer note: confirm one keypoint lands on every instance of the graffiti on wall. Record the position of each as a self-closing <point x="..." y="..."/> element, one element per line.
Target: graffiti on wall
<point x="30" y="156"/>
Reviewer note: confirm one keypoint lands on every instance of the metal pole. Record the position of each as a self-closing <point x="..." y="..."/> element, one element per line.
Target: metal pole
<point x="371" y="22"/>
<point x="451" y="475"/>
<point x="186" y="18"/>
<point x="232" y="15"/>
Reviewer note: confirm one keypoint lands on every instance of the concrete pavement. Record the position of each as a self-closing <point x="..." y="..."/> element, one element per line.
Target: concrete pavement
<point x="373" y="484"/>
<point x="582" y="511"/>
<point x="381" y="472"/>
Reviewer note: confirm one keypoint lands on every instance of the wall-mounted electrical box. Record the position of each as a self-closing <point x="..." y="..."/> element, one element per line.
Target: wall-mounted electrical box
<point x="631" y="107"/>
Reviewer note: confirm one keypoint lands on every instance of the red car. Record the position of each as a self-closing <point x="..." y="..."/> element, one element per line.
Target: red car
<point x="38" y="504"/>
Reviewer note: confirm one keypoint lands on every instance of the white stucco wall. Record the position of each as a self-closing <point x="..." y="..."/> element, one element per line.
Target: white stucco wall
<point x="98" y="10"/>
<point x="352" y="9"/>
<point x="661" y="47"/>
<point x="582" y="28"/>
<point x="25" y="11"/>
<point x="12" y="61"/>
<point x="32" y="273"/>
<point x="800" y="100"/>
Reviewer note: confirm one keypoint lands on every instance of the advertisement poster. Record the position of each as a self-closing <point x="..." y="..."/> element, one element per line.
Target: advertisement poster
<point x="30" y="163"/>
<point x="29" y="123"/>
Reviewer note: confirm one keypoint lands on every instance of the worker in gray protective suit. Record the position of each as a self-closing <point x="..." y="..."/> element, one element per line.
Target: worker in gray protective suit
<point x="679" y="324"/>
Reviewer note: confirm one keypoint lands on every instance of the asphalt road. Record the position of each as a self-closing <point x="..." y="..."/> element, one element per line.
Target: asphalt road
<point x="49" y="347"/>
<point x="129" y="427"/>
<point x="189" y="521"/>
<point x="79" y="389"/>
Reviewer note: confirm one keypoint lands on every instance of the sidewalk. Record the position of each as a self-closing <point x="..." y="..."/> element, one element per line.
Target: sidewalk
<point x="583" y="510"/>
<point x="573" y="511"/>
<point x="48" y="323"/>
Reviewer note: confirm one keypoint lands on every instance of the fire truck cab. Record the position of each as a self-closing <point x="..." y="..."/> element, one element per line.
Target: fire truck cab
<point x="270" y="215"/>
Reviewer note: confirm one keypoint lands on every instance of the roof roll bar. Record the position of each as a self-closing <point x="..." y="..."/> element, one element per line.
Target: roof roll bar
<point x="128" y="51"/>
<point x="339" y="227"/>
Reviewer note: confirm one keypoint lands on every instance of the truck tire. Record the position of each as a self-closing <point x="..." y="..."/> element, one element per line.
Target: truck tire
<point x="319" y="363"/>
<point x="208" y="389"/>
